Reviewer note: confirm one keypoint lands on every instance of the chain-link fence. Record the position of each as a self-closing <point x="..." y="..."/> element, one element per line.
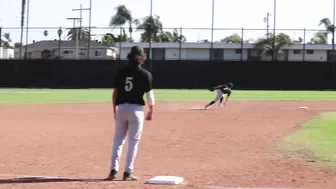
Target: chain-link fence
<point x="57" y="38"/>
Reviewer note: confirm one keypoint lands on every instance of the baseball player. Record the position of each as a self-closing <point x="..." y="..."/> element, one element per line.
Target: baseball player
<point x="221" y="91"/>
<point x="130" y="85"/>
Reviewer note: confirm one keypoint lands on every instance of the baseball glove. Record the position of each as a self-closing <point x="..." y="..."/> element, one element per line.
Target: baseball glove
<point x="211" y="89"/>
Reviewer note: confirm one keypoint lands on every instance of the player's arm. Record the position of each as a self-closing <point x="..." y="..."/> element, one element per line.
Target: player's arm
<point x="149" y="92"/>
<point x="218" y="87"/>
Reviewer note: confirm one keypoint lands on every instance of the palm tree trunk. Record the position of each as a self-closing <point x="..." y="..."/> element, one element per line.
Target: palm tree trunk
<point x="23" y="7"/>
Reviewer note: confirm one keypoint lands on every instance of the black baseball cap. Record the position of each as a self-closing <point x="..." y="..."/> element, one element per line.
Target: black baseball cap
<point x="137" y="50"/>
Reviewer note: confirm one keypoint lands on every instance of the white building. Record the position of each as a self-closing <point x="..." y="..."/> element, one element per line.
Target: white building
<point x="51" y="49"/>
<point x="227" y="51"/>
<point x="6" y="53"/>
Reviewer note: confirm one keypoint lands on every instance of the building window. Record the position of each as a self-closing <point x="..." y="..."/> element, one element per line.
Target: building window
<point x="310" y="51"/>
<point x="297" y="51"/>
<point x="218" y="54"/>
<point x="158" y="53"/>
<point x="68" y="52"/>
<point x="98" y="53"/>
<point x="238" y="51"/>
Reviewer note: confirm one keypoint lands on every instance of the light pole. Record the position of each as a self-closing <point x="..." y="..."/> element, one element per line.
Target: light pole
<point x="150" y="34"/>
<point x="274" y="26"/>
<point x="27" y="23"/>
<point x="212" y="28"/>
<point x="266" y="20"/>
<point x="333" y="33"/>
<point x="89" y="40"/>
<point x="59" y="33"/>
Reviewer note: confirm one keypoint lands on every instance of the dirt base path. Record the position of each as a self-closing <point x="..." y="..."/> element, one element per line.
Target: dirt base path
<point x="227" y="147"/>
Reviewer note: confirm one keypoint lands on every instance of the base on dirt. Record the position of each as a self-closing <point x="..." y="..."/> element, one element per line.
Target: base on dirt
<point x="166" y="180"/>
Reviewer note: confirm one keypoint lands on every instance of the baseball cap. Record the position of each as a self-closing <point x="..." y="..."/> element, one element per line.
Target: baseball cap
<point x="137" y="50"/>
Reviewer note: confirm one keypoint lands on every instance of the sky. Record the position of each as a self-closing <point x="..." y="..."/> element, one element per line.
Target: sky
<point x="291" y="14"/>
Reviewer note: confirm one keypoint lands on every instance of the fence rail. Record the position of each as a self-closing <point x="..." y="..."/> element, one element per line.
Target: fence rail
<point x="224" y="35"/>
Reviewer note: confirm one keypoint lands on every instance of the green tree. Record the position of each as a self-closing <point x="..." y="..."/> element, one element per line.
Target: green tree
<point x="83" y="34"/>
<point x="265" y="44"/>
<point x="167" y="36"/>
<point x="123" y="16"/>
<point x="235" y="38"/>
<point x="320" y="37"/>
<point x="152" y="27"/>
<point x="329" y="28"/>
<point x="111" y="39"/>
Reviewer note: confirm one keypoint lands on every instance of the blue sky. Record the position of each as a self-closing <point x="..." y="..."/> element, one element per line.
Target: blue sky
<point x="291" y="14"/>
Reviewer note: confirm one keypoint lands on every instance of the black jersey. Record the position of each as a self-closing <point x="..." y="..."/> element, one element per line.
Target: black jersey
<point x="132" y="83"/>
<point x="226" y="90"/>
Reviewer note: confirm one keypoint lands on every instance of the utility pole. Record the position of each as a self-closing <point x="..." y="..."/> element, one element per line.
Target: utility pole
<point x="266" y="20"/>
<point x="80" y="26"/>
<point x="77" y="33"/>
<point x="80" y="16"/>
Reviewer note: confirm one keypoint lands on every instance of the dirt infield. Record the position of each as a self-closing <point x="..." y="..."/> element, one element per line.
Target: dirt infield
<point x="227" y="147"/>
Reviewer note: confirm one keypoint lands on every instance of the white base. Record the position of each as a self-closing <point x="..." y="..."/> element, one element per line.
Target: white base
<point x="165" y="180"/>
<point x="303" y="107"/>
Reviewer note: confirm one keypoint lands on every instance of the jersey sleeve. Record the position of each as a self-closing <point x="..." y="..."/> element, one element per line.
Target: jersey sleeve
<point x="148" y="82"/>
<point x="117" y="82"/>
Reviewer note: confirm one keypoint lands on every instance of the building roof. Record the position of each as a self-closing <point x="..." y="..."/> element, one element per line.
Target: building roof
<point x="196" y="45"/>
<point x="65" y="44"/>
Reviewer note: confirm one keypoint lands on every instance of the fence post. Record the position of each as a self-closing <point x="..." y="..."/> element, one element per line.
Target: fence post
<point x="120" y="43"/>
<point x="180" y="50"/>
<point x="242" y="45"/>
<point x="304" y="45"/>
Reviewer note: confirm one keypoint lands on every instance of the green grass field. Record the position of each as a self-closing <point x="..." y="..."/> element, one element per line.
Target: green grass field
<point x="317" y="137"/>
<point x="37" y="96"/>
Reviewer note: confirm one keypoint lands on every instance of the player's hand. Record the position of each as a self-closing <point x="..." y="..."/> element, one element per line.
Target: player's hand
<point x="149" y="116"/>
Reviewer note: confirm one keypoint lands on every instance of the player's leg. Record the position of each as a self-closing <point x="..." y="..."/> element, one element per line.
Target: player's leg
<point x="121" y="126"/>
<point x="219" y="95"/>
<point x="136" y="121"/>
<point x="221" y="101"/>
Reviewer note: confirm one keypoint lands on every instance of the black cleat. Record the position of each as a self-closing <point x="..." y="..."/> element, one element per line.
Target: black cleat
<point x="129" y="177"/>
<point x="112" y="175"/>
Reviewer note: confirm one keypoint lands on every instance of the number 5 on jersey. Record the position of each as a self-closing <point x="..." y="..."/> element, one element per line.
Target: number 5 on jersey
<point x="129" y="84"/>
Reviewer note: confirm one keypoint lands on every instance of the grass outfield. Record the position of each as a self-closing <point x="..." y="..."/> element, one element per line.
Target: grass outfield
<point x="36" y="96"/>
<point x="317" y="138"/>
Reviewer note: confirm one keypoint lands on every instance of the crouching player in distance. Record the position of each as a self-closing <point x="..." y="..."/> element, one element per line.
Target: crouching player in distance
<point x="221" y="91"/>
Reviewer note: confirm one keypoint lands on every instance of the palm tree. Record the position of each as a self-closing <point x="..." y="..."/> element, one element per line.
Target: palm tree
<point x="83" y="34"/>
<point x="265" y="44"/>
<point x="167" y="36"/>
<point x="320" y="37"/>
<point x="111" y="39"/>
<point x="330" y="29"/>
<point x="23" y="7"/>
<point x="122" y="17"/>
<point x="152" y="27"/>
